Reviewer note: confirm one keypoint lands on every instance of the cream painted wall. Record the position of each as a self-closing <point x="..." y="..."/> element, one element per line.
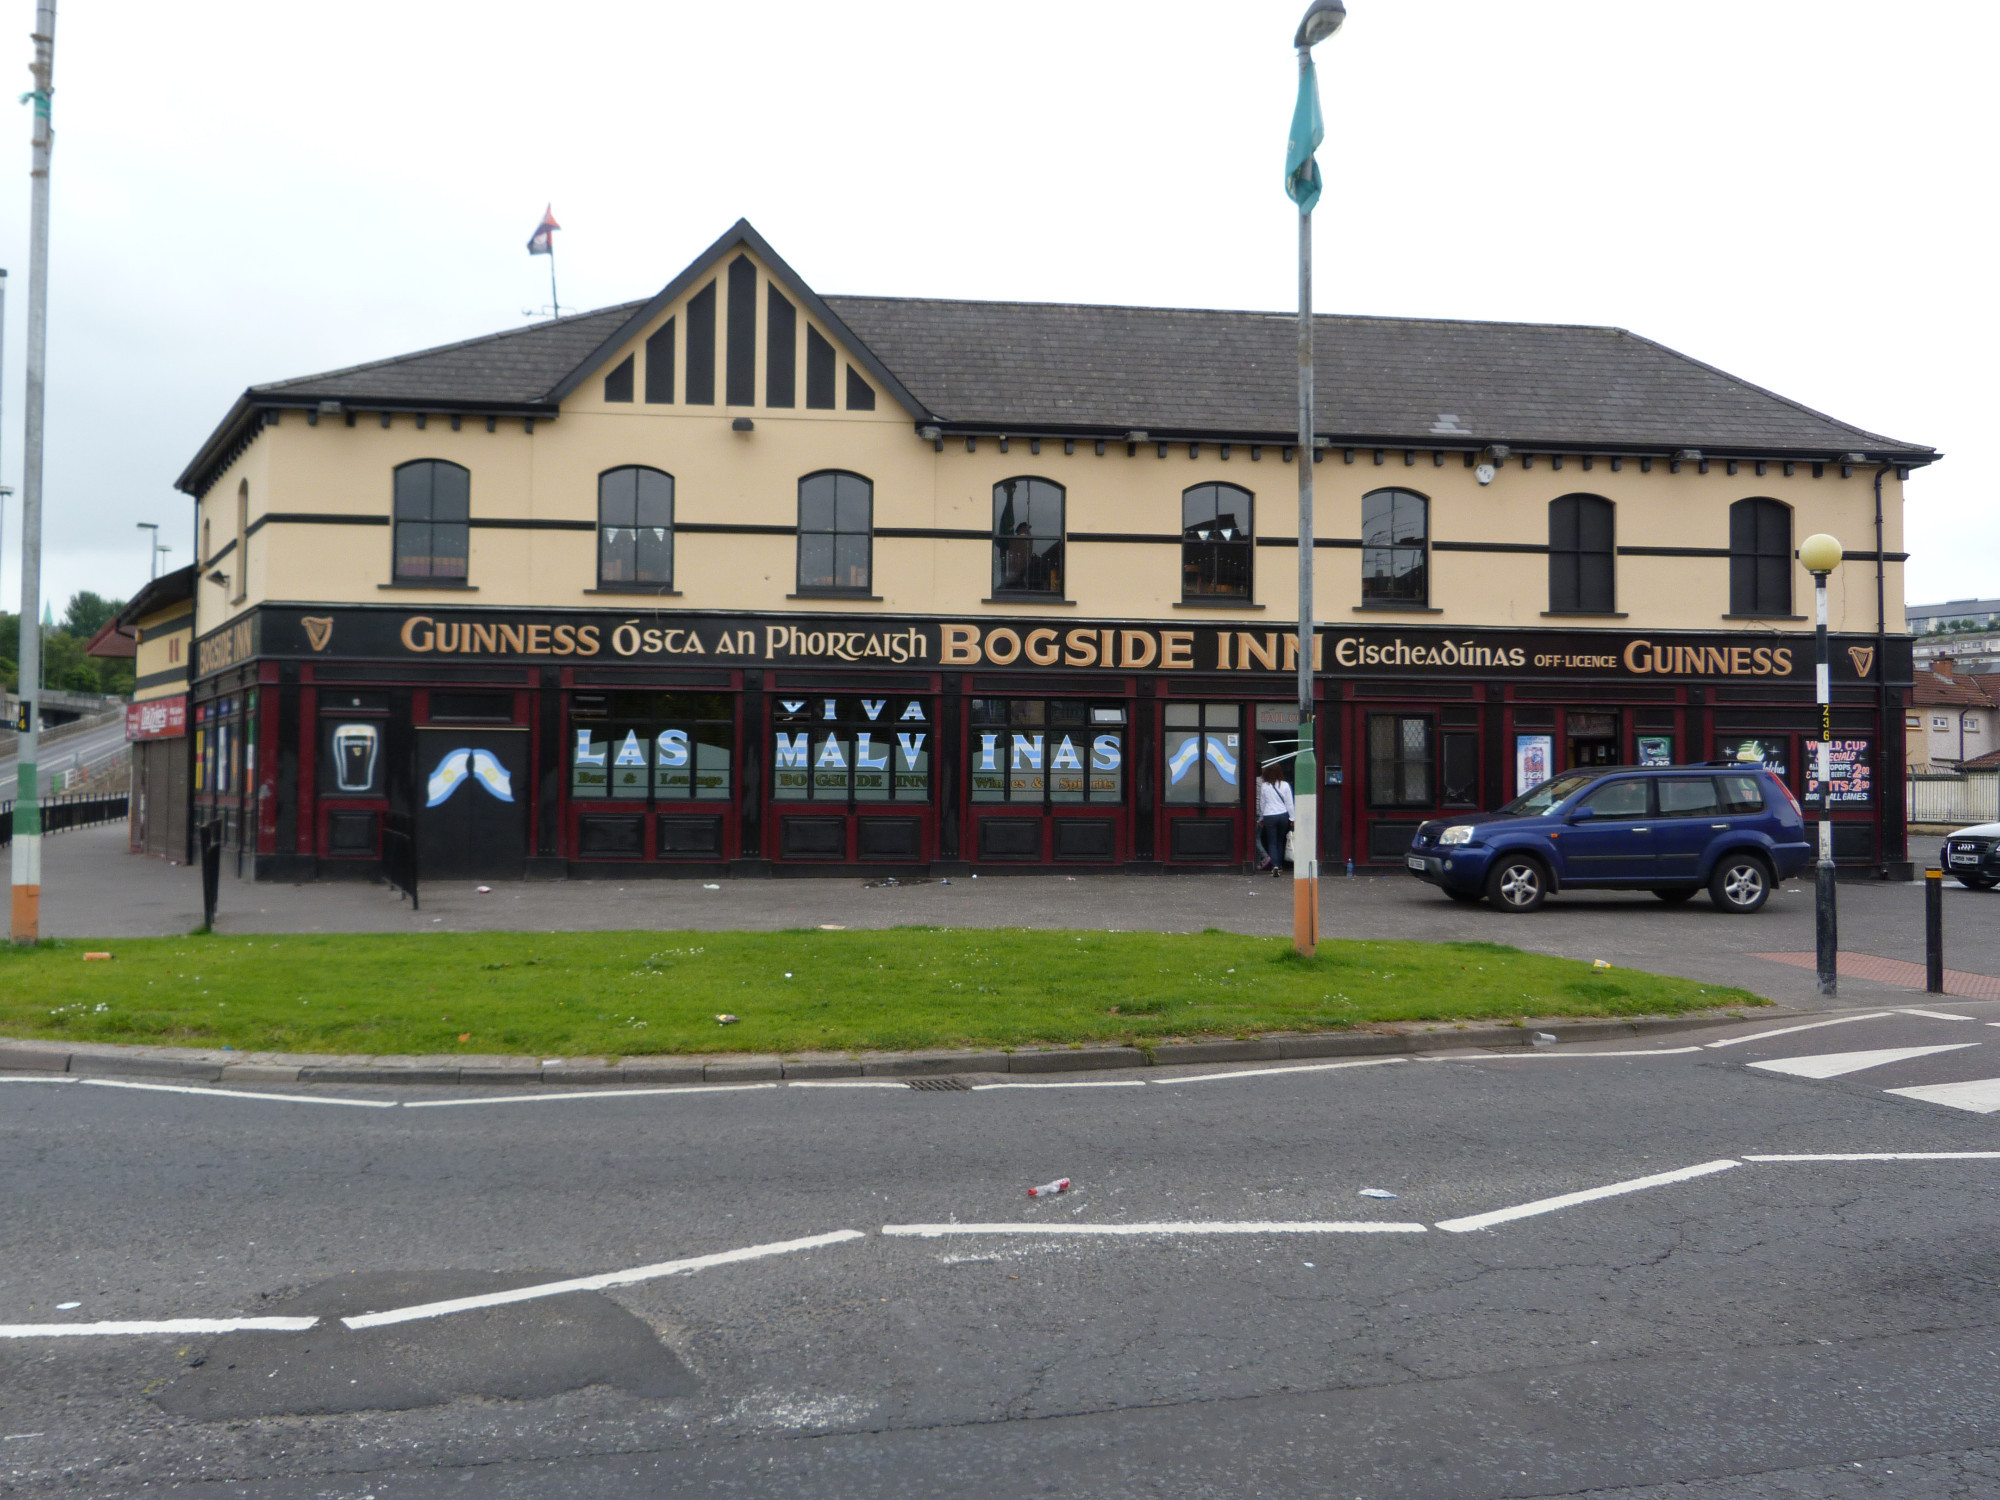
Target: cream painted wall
<point x="722" y="476"/>
<point x="164" y="638"/>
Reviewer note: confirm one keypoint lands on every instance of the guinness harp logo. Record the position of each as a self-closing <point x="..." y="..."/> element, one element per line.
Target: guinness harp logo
<point x="1863" y="658"/>
<point x="319" y="630"/>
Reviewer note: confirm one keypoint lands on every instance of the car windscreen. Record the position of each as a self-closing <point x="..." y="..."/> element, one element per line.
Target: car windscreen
<point x="1538" y="801"/>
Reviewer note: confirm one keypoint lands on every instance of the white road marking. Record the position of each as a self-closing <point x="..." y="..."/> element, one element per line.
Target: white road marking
<point x="1081" y="1083"/>
<point x="684" y="1088"/>
<point x="164" y="1325"/>
<point x="845" y="1083"/>
<point x="1981" y="1095"/>
<point x="1588" y="1195"/>
<point x="1366" y="1062"/>
<point x="182" y="1088"/>
<point x="1251" y="1226"/>
<point x="1643" y="1052"/>
<point x="1835" y="1064"/>
<point x="1937" y="1015"/>
<point x="1758" y="1036"/>
<point x="1885" y="1157"/>
<point x="38" y="1078"/>
<point x="599" y="1283"/>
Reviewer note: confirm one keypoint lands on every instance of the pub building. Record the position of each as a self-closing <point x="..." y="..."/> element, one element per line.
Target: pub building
<point x="745" y="579"/>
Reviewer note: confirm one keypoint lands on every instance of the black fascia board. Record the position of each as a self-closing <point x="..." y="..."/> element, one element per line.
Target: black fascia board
<point x="168" y="588"/>
<point x="741" y="233"/>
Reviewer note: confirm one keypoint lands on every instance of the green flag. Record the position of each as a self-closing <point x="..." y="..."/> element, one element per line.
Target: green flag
<point x="1301" y="171"/>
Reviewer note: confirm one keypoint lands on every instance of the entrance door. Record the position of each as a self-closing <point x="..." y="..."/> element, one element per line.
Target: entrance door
<point x="1202" y="782"/>
<point x="1594" y="739"/>
<point x="472" y="797"/>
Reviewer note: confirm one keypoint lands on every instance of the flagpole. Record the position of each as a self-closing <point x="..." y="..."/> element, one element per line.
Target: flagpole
<point x="554" y="300"/>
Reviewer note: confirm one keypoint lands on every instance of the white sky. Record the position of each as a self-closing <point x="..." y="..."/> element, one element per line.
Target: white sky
<point x="1790" y="189"/>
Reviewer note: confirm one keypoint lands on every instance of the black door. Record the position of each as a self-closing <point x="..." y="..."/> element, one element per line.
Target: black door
<point x="472" y="796"/>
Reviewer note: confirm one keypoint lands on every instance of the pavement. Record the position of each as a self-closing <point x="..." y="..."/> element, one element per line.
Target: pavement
<point x="1749" y="1261"/>
<point x="93" y="888"/>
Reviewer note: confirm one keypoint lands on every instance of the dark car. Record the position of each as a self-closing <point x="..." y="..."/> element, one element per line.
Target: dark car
<point x="1732" y="829"/>
<point x="1973" y="855"/>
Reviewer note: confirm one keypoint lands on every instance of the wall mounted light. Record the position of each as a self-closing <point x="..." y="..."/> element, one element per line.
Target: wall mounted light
<point x="742" y="424"/>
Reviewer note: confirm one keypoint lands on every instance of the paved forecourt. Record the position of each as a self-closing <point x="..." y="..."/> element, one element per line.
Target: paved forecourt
<point x="93" y="888"/>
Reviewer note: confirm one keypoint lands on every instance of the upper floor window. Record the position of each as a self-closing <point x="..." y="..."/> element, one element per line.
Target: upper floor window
<point x="1760" y="558"/>
<point x="1395" y="548"/>
<point x="836" y="532"/>
<point x="635" y="527"/>
<point x="1027" y="537"/>
<point x="1215" y="542"/>
<point x="433" y="511"/>
<point x="242" y="569"/>
<point x="1581" y="576"/>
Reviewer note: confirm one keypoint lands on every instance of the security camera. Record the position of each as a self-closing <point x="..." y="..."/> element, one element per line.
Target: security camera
<point x="1485" y="473"/>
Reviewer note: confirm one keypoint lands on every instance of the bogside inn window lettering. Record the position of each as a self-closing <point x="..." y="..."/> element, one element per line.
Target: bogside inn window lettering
<point x="659" y="747"/>
<point x="1204" y="751"/>
<point x="1047" y="751"/>
<point x="841" y="748"/>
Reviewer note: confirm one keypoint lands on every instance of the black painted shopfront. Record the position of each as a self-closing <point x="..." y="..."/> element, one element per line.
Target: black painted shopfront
<point x="569" y="743"/>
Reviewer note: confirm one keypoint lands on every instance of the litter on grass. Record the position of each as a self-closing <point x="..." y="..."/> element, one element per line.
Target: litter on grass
<point x="1598" y="963"/>
<point x="725" y="1019"/>
<point x="1050" y="1189"/>
<point x="94" y="957"/>
<point x="833" y="927"/>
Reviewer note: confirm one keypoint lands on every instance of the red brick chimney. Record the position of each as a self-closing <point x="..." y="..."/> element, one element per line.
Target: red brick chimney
<point x="1942" y="666"/>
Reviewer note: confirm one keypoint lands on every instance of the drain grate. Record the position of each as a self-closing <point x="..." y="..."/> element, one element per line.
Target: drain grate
<point x="941" y="1085"/>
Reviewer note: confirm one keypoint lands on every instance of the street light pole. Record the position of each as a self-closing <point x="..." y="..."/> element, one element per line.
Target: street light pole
<point x="1821" y="554"/>
<point x="1302" y="183"/>
<point x="154" y="545"/>
<point x="27" y="859"/>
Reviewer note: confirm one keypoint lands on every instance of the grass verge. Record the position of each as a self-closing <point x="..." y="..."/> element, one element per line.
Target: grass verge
<point x="631" y="993"/>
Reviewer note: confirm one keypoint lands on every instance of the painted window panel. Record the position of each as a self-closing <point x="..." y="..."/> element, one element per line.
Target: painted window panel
<point x="819" y="370"/>
<point x="660" y="365"/>
<point x="741" y="377"/>
<point x="781" y="349"/>
<point x="701" y="347"/>
<point x="618" y="384"/>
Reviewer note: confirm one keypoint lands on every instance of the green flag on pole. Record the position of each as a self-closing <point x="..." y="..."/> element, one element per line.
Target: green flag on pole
<point x="1301" y="171"/>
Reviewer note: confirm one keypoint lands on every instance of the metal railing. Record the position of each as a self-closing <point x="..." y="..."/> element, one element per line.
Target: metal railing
<point x="1973" y="797"/>
<point x="399" y="854"/>
<point x="59" y="813"/>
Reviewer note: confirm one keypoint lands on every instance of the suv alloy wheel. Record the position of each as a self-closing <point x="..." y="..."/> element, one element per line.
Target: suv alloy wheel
<point x="1741" y="884"/>
<point x="1518" y="883"/>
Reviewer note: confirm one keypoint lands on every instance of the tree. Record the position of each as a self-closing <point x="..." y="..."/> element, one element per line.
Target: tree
<point x="87" y="613"/>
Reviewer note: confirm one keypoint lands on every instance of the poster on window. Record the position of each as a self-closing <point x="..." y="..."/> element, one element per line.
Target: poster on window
<point x="1534" y="761"/>
<point x="1850" y="773"/>
<point x="1656" y="749"/>
<point x="1766" y="750"/>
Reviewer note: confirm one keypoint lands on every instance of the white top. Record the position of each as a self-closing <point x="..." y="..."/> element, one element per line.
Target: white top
<point x="1274" y="799"/>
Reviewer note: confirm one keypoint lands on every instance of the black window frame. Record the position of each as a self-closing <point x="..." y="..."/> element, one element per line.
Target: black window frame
<point x="1378" y="588"/>
<point x="1583" y="555"/>
<point x="635" y="525"/>
<point x="1203" y="555"/>
<point x="404" y="521"/>
<point x="862" y="590"/>
<point x="1393" y="796"/>
<point x="1760" y="564"/>
<point x="1022" y="554"/>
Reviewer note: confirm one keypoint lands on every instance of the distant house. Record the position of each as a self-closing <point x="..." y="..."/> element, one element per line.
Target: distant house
<point x="1964" y="614"/>
<point x="1953" y="717"/>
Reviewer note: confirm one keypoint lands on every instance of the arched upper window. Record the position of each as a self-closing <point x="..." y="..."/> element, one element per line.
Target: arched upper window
<point x="1582" y="576"/>
<point x="1760" y="557"/>
<point x="242" y="570"/>
<point x="433" y="507"/>
<point x="1395" y="548"/>
<point x="635" y="528"/>
<point x="1216" y="542"/>
<point x="836" y="533"/>
<point x="1027" y="536"/>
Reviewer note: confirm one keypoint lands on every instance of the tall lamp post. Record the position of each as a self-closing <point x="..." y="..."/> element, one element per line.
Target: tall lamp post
<point x="1821" y="554"/>
<point x="1322" y="19"/>
<point x="154" y="547"/>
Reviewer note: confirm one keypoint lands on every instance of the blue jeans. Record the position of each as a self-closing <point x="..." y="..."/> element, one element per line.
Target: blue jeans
<point x="1271" y="833"/>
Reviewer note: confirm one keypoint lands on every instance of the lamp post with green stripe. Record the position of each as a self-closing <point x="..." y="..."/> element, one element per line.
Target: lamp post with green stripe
<point x="1302" y="184"/>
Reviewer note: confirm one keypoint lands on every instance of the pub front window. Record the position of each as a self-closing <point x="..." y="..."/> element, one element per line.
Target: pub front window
<point x="851" y="749"/>
<point x="1047" y="751"/>
<point x="658" y="747"/>
<point x="1399" y="760"/>
<point x="1204" y="751"/>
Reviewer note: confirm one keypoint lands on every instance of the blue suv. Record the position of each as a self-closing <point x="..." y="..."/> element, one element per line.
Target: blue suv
<point x="1730" y="828"/>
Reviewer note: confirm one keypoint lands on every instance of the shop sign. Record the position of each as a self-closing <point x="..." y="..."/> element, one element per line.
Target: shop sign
<point x="157" y="718"/>
<point x="231" y="646"/>
<point x="676" y="638"/>
<point x="1850" y="772"/>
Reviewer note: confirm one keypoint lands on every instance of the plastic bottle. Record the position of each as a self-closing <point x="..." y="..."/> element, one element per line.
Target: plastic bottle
<point x="1350" y="869"/>
<point x="1050" y="1189"/>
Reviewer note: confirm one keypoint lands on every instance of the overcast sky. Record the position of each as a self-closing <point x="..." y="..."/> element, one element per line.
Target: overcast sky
<point x="1793" y="191"/>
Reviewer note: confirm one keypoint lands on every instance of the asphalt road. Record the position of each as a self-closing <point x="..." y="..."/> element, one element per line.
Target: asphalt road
<point x="1747" y="1327"/>
<point x="97" y="749"/>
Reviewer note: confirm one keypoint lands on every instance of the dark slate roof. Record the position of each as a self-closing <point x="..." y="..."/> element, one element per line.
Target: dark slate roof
<point x="515" y="368"/>
<point x="1395" y="379"/>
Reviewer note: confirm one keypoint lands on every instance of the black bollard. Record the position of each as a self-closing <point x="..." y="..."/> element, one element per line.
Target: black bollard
<point x="211" y="869"/>
<point x="1934" y="931"/>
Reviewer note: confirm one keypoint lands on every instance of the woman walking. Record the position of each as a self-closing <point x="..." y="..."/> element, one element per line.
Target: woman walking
<point x="1274" y="818"/>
